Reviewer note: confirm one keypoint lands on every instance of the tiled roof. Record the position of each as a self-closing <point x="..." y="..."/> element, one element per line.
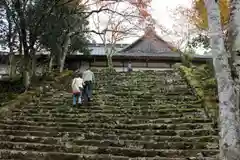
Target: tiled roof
<point x="147" y="35"/>
<point x="162" y="54"/>
<point x="168" y="54"/>
<point x="99" y="50"/>
<point x="108" y="45"/>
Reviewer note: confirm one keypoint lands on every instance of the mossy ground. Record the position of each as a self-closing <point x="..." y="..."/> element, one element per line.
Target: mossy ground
<point x="139" y="115"/>
<point x="201" y="80"/>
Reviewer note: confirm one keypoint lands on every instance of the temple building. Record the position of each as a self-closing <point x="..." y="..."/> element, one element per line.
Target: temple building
<point x="149" y="52"/>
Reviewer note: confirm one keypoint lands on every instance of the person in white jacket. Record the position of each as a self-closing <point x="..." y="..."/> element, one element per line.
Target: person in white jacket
<point x="77" y="89"/>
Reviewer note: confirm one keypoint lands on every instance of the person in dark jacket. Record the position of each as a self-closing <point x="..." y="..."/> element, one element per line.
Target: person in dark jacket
<point x="129" y="68"/>
<point x="88" y="80"/>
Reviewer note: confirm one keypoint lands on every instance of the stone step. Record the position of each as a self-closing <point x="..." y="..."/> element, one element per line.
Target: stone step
<point x="109" y="143"/>
<point x="124" y="106"/>
<point x="27" y="137"/>
<point x="148" y="116"/>
<point x="150" y="86"/>
<point x="153" y="87"/>
<point x="105" y="118"/>
<point x="137" y="98"/>
<point x="152" y="92"/>
<point x="148" y="78"/>
<point x="137" y="78"/>
<point x="146" y="103"/>
<point x="108" y="125"/>
<point x="137" y="75"/>
<point x="63" y="102"/>
<point x="145" y="97"/>
<point x="113" y="143"/>
<point x="134" y="94"/>
<point x="141" y="72"/>
<point x="126" y="96"/>
<point x="112" y="136"/>
<point x="72" y="110"/>
<point x="34" y="155"/>
<point x="190" y="133"/>
<point x="139" y="115"/>
<point x="140" y="83"/>
<point x="94" y="157"/>
<point x="118" y="76"/>
<point x="121" y="102"/>
<point x="116" y="151"/>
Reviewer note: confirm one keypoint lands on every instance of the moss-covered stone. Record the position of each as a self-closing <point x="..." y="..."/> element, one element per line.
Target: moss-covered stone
<point x="204" y="86"/>
<point x="137" y="115"/>
<point x="34" y="93"/>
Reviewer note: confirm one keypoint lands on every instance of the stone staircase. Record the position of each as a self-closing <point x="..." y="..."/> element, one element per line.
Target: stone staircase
<point x="134" y="116"/>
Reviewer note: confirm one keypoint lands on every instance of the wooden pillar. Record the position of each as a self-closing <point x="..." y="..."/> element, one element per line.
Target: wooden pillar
<point x="89" y="62"/>
<point x="79" y="64"/>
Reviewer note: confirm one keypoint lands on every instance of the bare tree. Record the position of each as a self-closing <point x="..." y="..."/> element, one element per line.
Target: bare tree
<point x="116" y="24"/>
<point x="227" y="87"/>
<point x="30" y="17"/>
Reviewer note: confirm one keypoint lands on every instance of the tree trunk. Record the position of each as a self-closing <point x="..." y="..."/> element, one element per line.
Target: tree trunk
<point x="109" y="53"/>
<point x="228" y="116"/>
<point x="233" y="44"/>
<point x="50" y="66"/>
<point x="34" y="66"/>
<point x="20" y="50"/>
<point x="234" y="28"/>
<point x="11" y="38"/>
<point x="61" y="65"/>
<point x="23" y="39"/>
<point x="58" y="59"/>
<point x="66" y="44"/>
<point x="12" y="66"/>
<point x="109" y="59"/>
<point x="26" y="72"/>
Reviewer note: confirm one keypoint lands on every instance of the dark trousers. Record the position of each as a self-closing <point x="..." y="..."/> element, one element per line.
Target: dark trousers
<point x="88" y="89"/>
<point x="129" y="69"/>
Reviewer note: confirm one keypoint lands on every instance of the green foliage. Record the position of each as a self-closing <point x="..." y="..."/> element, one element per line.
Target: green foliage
<point x="37" y="92"/>
<point x="43" y="24"/>
<point x="7" y="27"/>
<point x="3" y="27"/>
<point x="199" y="40"/>
<point x="63" y="21"/>
<point x="203" y="84"/>
<point x="10" y="89"/>
<point x="186" y="58"/>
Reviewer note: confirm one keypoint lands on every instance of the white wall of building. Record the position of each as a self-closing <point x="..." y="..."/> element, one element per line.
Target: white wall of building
<point x="85" y="65"/>
<point x="3" y="69"/>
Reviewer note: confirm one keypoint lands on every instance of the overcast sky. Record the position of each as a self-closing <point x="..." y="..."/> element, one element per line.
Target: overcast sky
<point x="162" y="12"/>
